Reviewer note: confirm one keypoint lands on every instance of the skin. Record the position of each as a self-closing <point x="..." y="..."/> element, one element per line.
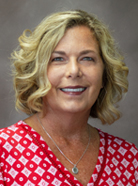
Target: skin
<point x="75" y="62"/>
<point x="75" y="72"/>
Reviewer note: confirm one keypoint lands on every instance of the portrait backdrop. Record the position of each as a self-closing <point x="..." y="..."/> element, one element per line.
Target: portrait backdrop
<point x="122" y="18"/>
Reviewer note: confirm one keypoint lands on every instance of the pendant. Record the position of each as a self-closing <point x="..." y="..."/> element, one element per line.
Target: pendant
<point x="75" y="170"/>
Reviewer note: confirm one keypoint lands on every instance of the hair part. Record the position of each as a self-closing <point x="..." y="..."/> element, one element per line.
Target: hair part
<point x="30" y="63"/>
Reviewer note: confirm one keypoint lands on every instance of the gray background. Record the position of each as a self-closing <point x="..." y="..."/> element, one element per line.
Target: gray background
<point x="122" y="18"/>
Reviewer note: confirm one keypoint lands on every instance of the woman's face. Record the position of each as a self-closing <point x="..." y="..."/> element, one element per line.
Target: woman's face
<point x="75" y="72"/>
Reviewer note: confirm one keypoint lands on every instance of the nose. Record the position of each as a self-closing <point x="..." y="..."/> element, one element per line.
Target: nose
<point x="73" y="69"/>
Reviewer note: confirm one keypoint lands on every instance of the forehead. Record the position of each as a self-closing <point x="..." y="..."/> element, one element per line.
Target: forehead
<point x="79" y="36"/>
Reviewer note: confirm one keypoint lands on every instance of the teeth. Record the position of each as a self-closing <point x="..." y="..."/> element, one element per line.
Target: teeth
<point x="73" y="89"/>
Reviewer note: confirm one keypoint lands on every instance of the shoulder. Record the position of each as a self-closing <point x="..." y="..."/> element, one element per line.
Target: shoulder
<point x="120" y="159"/>
<point x="12" y="127"/>
<point x="14" y="131"/>
<point x="118" y="146"/>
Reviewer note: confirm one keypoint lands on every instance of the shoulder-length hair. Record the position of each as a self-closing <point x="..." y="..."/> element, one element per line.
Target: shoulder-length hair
<point x="31" y="60"/>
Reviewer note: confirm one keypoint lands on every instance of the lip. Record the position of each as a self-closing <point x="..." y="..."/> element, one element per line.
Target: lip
<point x="76" y="86"/>
<point x="73" y="90"/>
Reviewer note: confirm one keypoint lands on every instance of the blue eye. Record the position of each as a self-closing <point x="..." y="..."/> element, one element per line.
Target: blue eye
<point x="57" y="59"/>
<point x="88" y="59"/>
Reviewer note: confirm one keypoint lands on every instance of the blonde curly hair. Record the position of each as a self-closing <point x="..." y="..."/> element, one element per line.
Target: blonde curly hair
<point x="31" y="60"/>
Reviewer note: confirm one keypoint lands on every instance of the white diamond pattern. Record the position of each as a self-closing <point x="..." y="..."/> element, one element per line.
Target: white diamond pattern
<point x="108" y="170"/>
<point x="13" y="173"/>
<point x="118" y="141"/>
<point x="5" y="136"/>
<point x="28" y="137"/>
<point x="125" y="162"/>
<point x="26" y="172"/>
<point x="94" y="177"/>
<point x="10" y="160"/>
<point x="37" y="159"/>
<point x="102" y="150"/>
<point x="17" y="137"/>
<point x="98" y="167"/>
<point x="135" y="163"/>
<point x="136" y="175"/>
<point x="8" y="146"/>
<point x="117" y="171"/>
<point x="52" y="170"/>
<point x="25" y="163"/>
<point x="115" y="162"/>
<point x="134" y="151"/>
<point x="29" y="183"/>
<point x="43" y="183"/>
<point x="120" y="183"/>
<point x="110" y="182"/>
<point x="39" y="171"/>
<point x="111" y="150"/>
<point x="33" y="147"/>
<point x="56" y="182"/>
<point x="127" y="174"/>
<point x="20" y="148"/>
<point x="15" y="184"/>
<point x="23" y="160"/>
<point x="122" y="150"/>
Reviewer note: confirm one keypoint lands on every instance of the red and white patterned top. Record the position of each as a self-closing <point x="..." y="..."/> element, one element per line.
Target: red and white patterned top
<point x="26" y="159"/>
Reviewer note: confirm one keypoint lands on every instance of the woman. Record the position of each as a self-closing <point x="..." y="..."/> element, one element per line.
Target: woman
<point x="65" y="71"/>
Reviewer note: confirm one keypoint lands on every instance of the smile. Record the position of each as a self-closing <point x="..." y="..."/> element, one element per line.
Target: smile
<point x="73" y="89"/>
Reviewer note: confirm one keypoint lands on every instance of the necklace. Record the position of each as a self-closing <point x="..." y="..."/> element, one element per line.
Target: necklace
<point x="74" y="169"/>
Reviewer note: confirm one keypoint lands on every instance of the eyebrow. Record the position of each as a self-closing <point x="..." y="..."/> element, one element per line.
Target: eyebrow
<point x="81" y="53"/>
<point x="87" y="51"/>
<point x="59" y="52"/>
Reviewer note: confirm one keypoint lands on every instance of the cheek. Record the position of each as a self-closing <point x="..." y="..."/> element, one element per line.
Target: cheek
<point x="96" y="79"/>
<point x="54" y="76"/>
<point x="97" y="84"/>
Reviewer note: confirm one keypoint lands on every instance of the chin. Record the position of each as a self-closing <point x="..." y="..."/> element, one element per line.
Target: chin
<point x="78" y="109"/>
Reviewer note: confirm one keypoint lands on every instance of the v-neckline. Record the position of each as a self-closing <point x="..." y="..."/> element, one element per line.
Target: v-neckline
<point x="70" y="177"/>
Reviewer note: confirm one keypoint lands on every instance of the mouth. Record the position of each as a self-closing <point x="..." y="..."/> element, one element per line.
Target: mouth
<point x="73" y="90"/>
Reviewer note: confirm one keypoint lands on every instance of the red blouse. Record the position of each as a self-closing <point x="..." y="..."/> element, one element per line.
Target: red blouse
<point x="26" y="159"/>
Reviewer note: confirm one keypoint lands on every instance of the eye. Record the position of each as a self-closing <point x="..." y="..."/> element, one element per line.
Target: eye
<point x="88" y="59"/>
<point x="57" y="59"/>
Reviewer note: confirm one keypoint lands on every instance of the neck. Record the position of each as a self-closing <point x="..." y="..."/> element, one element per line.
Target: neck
<point x="67" y="125"/>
